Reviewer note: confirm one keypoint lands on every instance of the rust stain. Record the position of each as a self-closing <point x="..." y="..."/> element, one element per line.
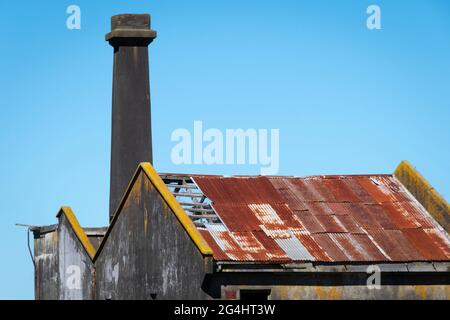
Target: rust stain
<point x="145" y="221"/>
<point x="421" y="291"/>
<point x="323" y="293"/>
<point x="135" y="193"/>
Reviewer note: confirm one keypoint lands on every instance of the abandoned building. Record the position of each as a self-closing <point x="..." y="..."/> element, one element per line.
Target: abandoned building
<point x="186" y="236"/>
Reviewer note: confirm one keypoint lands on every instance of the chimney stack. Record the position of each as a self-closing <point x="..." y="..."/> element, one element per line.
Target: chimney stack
<point x="131" y="141"/>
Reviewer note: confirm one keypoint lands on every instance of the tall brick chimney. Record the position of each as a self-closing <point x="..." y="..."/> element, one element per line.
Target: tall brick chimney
<point x="131" y="141"/>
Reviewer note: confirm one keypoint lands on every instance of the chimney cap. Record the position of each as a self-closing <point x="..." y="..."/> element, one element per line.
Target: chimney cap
<point x="131" y="29"/>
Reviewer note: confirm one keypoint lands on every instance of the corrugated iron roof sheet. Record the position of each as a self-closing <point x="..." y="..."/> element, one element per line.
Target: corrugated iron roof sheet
<point x="357" y="218"/>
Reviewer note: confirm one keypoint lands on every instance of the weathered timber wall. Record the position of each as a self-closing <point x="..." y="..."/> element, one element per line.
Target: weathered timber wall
<point x="64" y="270"/>
<point x="46" y="266"/>
<point x="148" y="254"/>
<point x="76" y="268"/>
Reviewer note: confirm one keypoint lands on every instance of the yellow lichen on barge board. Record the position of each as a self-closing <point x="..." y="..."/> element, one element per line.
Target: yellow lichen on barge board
<point x="424" y="192"/>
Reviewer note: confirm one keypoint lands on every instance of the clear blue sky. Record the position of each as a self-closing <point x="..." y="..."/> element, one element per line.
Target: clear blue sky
<point x="346" y="99"/>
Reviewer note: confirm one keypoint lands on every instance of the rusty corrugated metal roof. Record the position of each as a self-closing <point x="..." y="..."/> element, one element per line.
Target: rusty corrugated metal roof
<point x="353" y="218"/>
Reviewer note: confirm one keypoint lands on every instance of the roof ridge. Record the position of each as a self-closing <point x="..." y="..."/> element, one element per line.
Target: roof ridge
<point x="170" y="200"/>
<point x="78" y="230"/>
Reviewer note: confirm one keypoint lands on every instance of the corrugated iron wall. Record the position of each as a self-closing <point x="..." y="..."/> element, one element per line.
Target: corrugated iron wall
<point x="387" y="292"/>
